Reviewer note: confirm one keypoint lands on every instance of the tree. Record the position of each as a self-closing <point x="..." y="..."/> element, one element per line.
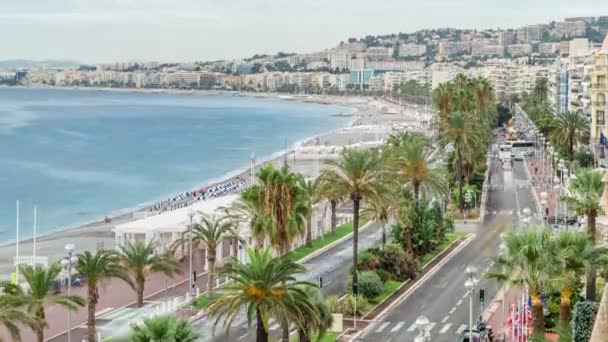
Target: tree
<point x="570" y="129"/>
<point x="40" y="280"/>
<point x="442" y="99"/>
<point x="262" y="287"/>
<point x="326" y="191"/>
<point x="309" y="188"/>
<point x="461" y="132"/>
<point x="164" y="328"/>
<point x="414" y="164"/>
<point x="380" y="209"/>
<point x="585" y="195"/>
<point x="96" y="269"/>
<point x="140" y="258"/>
<point x="528" y="259"/>
<point x="209" y="233"/>
<point x="355" y="175"/>
<point x="541" y="89"/>
<point x="14" y="313"/>
<point x="321" y="321"/>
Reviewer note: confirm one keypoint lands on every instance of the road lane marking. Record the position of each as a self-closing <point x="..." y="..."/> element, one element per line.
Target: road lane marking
<point x="445" y="319"/>
<point x="445" y="328"/>
<point x="459" y="302"/>
<point x="452" y="310"/>
<point x="466" y="294"/>
<point x="242" y="337"/>
<point x="397" y="327"/>
<point x="274" y="326"/>
<point x="430" y="326"/>
<point x="412" y="327"/>
<point x="461" y="329"/>
<point x="382" y="327"/>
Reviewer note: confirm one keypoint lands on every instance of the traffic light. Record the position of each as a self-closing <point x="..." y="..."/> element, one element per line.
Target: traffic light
<point x="355" y="289"/>
<point x="194" y="276"/>
<point x="320" y="282"/>
<point x="481" y="295"/>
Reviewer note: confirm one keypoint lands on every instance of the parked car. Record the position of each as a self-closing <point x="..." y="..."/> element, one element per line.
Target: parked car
<point x="560" y="219"/>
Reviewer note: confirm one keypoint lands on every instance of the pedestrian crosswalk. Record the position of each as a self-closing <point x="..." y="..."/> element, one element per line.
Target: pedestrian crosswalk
<point x="432" y="327"/>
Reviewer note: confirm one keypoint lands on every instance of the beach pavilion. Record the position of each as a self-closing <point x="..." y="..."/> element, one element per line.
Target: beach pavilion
<point x="169" y="226"/>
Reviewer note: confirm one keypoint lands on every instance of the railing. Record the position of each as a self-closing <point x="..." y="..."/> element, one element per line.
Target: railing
<point x="600" y="122"/>
<point x="599" y="86"/>
<point x="600" y="103"/>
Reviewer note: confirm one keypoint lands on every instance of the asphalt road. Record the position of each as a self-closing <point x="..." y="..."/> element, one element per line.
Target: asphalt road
<point x="332" y="265"/>
<point x="443" y="298"/>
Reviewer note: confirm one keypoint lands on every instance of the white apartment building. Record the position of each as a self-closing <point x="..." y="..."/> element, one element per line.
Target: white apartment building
<point x="379" y="51"/>
<point x="529" y="34"/>
<point x="579" y="83"/>
<point x="412" y="50"/>
<point x="547" y="48"/>
<point x="579" y="47"/>
<point x="339" y="60"/>
<point x="517" y="50"/>
<point x="447" y="48"/>
<point x="567" y="29"/>
<point x="393" y="65"/>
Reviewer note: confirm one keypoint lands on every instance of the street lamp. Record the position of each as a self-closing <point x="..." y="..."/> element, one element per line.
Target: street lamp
<point x="543" y="203"/>
<point x="556" y="187"/>
<point x="68" y="264"/>
<point x="190" y="285"/>
<point x="470" y="284"/>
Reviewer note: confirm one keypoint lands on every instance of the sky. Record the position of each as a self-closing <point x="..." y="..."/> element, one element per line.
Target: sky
<point x="103" y="31"/>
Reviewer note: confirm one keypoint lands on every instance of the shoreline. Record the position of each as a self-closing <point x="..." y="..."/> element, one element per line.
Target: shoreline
<point x="127" y="213"/>
<point x="96" y="232"/>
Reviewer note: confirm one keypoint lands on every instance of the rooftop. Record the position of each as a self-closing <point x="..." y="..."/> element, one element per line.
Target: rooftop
<point x="604" y="48"/>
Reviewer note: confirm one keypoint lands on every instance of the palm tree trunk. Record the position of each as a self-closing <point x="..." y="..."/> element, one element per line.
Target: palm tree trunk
<point x="416" y="191"/>
<point x="261" y="333"/>
<point x="459" y="175"/>
<point x="309" y="230"/>
<point x="211" y="275"/>
<point x="591" y="274"/>
<point x="538" y="318"/>
<point x="40" y="320"/>
<point x="355" y="237"/>
<point x="235" y="248"/>
<point x="383" y="233"/>
<point x="285" y="328"/>
<point x="565" y="314"/>
<point x="140" y="283"/>
<point x="92" y="299"/>
<point x="334" y="204"/>
<point x="303" y="336"/>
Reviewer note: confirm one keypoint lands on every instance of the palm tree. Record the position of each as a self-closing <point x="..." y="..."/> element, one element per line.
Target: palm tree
<point x="319" y="322"/>
<point x="96" y="269"/>
<point x="570" y="129"/>
<point x="264" y="286"/>
<point x="585" y="195"/>
<point x="14" y="313"/>
<point x="380" y="209"/>
<point x="415" y="164"/>
<point x="209" y="233"/>
<point x="40" y="280"/>
<point x="164" y="329"/>
<point x="355" y="175"/>
<point x="309" y="188"/>
<point x="328" y="192"/>
<point x="139" y="258"/>
<point x="541" y="89"/>
<point x="442" y="99"/>
<point x="459" y="131"/>
<point x="529" y="259"/>
<point x="249" y="210"/>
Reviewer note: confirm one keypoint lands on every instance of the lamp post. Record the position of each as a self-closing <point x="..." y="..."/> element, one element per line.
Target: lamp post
<point x="556" y="188"/>
<point x="502" y="250"/>
<point x="527" y="212"/>
<point x="469" y="284"/>
<point x="190" y="285"/>
<point x="68" y="263"/>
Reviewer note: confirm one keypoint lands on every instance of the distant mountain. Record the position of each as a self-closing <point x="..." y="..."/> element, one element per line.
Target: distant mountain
<point x="26" y="63"/>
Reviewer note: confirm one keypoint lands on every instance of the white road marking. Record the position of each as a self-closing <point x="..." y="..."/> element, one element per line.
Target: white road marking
<point x="459" y="302"/>
<point x="445" y="328"/>
<point x="242" y="337"/>
<point x="397" y="327"/>
<point x="466" y="294"/>
<point x="412" y="327"/>
<point x="445" y="319"/>
<point x="383" y="326"/>
<point x="430" y="326"/>
<point x="274" y="326"/>
<point x="461" y="329"/>
<point x="452" y="310"/>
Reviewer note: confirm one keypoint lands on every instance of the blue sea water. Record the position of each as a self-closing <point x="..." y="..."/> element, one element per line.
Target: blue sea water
<point x="80" y="154"/>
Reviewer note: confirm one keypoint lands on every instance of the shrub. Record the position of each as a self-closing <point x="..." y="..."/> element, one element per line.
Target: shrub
<point x="368" y="261"/>
<point x="333" y="304"/>
<point x="348" y="305"/>
<point x="370" y="284"/>
<point x="394" y="261"/>
<point x="384" y="275"/>
<point x="583" y="317"/>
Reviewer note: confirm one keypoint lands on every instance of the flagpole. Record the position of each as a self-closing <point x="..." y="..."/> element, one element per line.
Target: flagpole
<point x="34" y="252"/>
<point x="17" y="245"/>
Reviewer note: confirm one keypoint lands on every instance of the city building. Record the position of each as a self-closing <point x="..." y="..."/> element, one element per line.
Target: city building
<point x="392" y="65"/>
<point x="548" y="49"/>
<point x="411" y="50"/>
<point x="447" y="48"/>
<point x="379" y="52"/>
<point x="564" y="48"/>
<point x="506" y="37"/>
<point x="568" y="29"/>
<point x="361" y="77"/>
<point x="599" y="92"/>
<point x="579" y="47"/>
<point x="518" y="50"/>
<point x="339" y="60"/>
<point x="579" y="83"/>
<point x="529" y="34"/>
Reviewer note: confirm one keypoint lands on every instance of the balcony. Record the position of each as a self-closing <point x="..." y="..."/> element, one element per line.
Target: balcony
<point x="599" y="103"/>
<point x="599" y="86"/>
<point x="600" y="122"/>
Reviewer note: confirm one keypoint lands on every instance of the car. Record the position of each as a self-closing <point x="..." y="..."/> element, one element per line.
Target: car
<point x="560" y="219"/>
<point x="519" y="157"/>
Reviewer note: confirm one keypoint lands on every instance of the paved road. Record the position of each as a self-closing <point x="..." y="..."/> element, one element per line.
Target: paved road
<point x="443" y="298"/>
<point x="333" y="266"/>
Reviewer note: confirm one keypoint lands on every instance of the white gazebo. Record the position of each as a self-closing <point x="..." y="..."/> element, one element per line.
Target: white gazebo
<point x="169" y="226"/>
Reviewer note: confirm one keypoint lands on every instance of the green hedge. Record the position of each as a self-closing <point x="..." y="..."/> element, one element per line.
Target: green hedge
<point x="583" y="317"/>
<point x="370" y="284"/>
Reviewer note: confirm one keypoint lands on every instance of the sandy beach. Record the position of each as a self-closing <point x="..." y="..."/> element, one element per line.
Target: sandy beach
<point x="369" y="123"/>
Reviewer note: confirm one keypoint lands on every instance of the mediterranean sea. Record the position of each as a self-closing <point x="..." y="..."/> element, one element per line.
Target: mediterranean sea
<point x="79" y="155"/>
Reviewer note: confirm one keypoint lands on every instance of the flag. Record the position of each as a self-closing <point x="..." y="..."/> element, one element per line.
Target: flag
<point x="603" y="141"/>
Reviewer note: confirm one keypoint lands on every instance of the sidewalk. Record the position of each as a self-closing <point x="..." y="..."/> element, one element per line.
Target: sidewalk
<point x="114" y="294"/>
<point x="495" y="320"/>
<point x="543" y="182"/>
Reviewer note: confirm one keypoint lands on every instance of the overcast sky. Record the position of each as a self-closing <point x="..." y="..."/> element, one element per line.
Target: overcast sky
<point x="94" y="31"/>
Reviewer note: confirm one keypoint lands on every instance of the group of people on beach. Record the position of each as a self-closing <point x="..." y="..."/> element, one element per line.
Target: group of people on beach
<point x="183" y="199"/>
